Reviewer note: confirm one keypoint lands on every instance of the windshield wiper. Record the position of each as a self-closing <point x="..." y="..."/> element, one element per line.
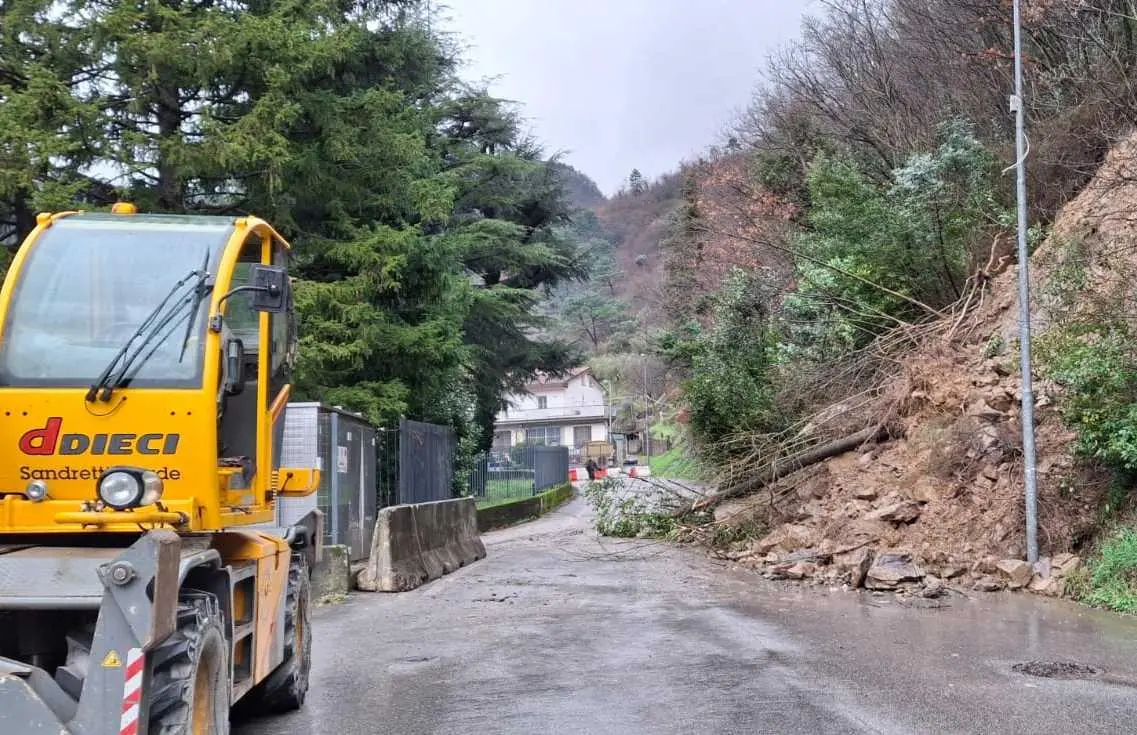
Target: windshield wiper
<point x="199" y="292"/>
<point x="163" y="317"/>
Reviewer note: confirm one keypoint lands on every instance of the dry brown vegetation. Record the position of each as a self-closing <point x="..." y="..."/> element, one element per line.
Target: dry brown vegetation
<point x="637" y="223"/>
<point x="878" y="75"/>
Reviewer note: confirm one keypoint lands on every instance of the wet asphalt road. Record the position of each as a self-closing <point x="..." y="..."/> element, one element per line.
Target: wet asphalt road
<point x="559" y="631"/>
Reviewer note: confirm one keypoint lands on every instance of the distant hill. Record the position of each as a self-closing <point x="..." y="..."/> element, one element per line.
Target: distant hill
<point x="582" y="191"/>
<point x="637" y="223"/>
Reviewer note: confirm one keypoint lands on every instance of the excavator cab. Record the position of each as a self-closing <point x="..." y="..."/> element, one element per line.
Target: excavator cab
<point x="145" y="367"/>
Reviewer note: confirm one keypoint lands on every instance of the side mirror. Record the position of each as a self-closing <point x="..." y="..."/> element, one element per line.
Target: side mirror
<point x="234" y="367"/>
<point x="270" y="285"/>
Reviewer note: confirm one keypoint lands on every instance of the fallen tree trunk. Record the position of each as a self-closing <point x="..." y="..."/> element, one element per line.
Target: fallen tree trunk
<point x="792" y="464"/>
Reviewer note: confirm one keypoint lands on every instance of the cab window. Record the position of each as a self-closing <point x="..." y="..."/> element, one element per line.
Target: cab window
<point x="282" y="328"/>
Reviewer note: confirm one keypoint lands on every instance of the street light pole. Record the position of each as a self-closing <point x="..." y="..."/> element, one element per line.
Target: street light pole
<point x="1029" y="459"/>
<point x="608" y="411"/>
<point x="647" y="411"/>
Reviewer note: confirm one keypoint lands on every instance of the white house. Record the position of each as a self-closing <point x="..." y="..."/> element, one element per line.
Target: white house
<point x="569" y="411"/>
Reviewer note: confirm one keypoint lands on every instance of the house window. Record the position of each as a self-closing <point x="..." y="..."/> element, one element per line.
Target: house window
<point x="581" y="435"/>
<point x="502" y="440"/>
<point x="542" y="401"/>
<point x="546" y="435"/>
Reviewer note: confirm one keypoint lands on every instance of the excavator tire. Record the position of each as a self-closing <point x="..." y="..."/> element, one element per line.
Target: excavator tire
<point x="189" y="692"/>
<point x="285" y="688"/>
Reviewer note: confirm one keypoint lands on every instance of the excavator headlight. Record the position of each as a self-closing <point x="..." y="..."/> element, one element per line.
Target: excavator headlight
<point x="129" y="487"/>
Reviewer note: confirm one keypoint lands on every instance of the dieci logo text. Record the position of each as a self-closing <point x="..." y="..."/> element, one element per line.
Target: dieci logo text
<point x="48" y="440"/>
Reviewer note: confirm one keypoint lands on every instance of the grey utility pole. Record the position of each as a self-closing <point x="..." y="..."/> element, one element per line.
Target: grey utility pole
<point x="1029" y="459"/>
<point x="647" y="410"/>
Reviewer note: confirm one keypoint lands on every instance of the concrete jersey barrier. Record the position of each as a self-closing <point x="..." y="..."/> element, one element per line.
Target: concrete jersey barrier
<point x="414" y="544"/>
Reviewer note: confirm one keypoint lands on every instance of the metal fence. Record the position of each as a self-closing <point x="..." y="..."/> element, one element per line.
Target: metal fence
<point x="364" y="468"/>
<point x="387" y="471"/>
<point x="426" y="462"/>
<point x="518" y="472"/>
<point x="343" y="446"/>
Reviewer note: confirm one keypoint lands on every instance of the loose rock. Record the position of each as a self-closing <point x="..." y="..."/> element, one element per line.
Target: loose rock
<point x="988" y="437"/>
<point x="933" y="587"/>
<point x="1051" y="587"/>
<point x="856" y="564"/>
<point x="789" y="537"/>
<point x="903" y="512"/>
<point x="801" y="570"/>
<point x="890" y="570"/>
<point x="924" y="490"/>
<point x="1063" y="565"/>
<point x="1016" y="572"/>
<point x="987" y="565"/>
<point x="988" y="583"/>
<point x="981" y="410"/>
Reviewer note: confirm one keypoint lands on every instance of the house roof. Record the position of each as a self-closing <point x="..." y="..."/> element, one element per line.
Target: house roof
<point x="546" y="383"/>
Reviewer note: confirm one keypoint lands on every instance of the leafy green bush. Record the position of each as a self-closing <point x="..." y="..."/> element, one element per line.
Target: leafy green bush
<point x="875" y="253"/>
<point x="1097" y="368"/>
<point x="1111" y="580"/>
<point x="730" y="389"/>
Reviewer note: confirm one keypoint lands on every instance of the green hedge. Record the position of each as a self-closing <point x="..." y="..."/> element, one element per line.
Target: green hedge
<point x="507" y="514"/>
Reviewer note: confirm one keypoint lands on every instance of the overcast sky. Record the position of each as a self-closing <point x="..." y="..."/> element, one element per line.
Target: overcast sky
<point x="623" y="84"/>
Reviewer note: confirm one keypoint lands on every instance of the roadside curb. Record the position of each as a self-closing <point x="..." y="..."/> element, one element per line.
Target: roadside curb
<point x="523" y="509"/>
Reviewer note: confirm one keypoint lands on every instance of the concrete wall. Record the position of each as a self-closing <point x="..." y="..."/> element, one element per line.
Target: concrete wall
<point x="507" y="514"/>
<point x="414" y="544"/>
<point x="331" y="577"/>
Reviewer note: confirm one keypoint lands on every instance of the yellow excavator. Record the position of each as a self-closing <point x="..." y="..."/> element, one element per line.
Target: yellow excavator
<point x="145" y="367"/>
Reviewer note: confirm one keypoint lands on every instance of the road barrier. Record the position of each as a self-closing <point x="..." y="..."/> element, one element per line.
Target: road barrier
<point x="580" y="474"/>
<point x="414" y="544"/>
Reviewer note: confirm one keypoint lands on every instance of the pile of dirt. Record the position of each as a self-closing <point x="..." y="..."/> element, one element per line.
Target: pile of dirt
<point x="944" y="499"/>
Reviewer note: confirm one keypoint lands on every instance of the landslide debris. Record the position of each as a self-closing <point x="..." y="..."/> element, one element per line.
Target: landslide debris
<point x="939" y="501"/>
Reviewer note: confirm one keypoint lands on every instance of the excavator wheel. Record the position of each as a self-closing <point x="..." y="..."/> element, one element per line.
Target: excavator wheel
<point x="189" y="693"/>
<point x="285" y="688"/>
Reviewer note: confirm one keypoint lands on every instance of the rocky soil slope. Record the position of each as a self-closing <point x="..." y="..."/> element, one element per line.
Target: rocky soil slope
<point x="942" y="503"/>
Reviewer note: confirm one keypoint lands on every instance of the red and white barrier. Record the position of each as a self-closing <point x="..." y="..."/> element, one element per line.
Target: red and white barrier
<point x="580" y="474"/>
